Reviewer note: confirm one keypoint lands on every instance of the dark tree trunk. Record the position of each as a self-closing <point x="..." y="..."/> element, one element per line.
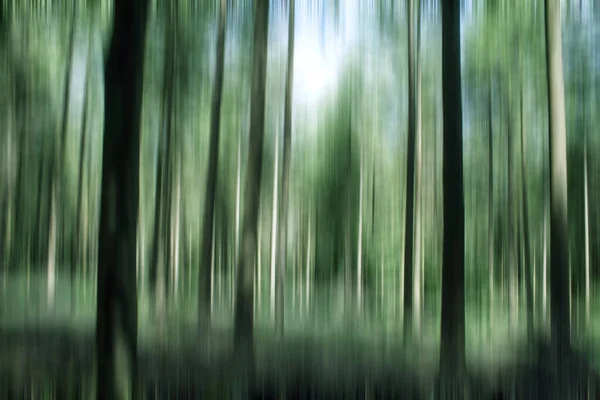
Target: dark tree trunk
<point x="3" y="217"/>
<point x="21" y="104"/>
<point x="42" y="167"/>
<point x="211" y="180"/>
<point x="491" y="215"/>
<point x="452" y="349"/>
<point x="281" y="254"/>
<point x="512" y="244"/>
<point x="410" y="180"/>
<point x="559" y="229"/>
<point x="160" y="249"/>
<point x="116" y="315"/>
<point x="244" y="318"/>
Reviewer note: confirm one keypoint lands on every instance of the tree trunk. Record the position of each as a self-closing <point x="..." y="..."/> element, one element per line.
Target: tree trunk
<point x="418" y="232"/>
<point x="211" y="277"/>
<point x="56" y="170"/>
<point x="4" y="210"/>
<point x="308" y="262"/>
<point x="211" y="180"/>
<point x="348" y="290"/>
<point x="410" y="180"/>
<point x="76" y="244"/>
<point x="452" y="349"/>
<point x="116" y="314"/>
<point x="559" y="234"/>
<point x="177" y="229"/>
<point x="586" y="217"/>
<point x="238" y="191"/>
<point x="160" y="250"/>
<point x="258" y="266"/>
<point x="274" y="229"/>
<point x="244" y="318"/>
<point x="51" y="277"/>
<point x="359" y="264"/>
<point x="512" y="217"/>
<point x="545" y="263"/>
<point x="281" y="254"/>
<point x="491" y="215"/>
<point x="16" y="252"/>
<point x="525" y="218"/>
<point x="41" y="178"/>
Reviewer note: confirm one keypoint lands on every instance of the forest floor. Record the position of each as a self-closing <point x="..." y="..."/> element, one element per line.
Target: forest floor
<point x="50" y="354"/>
<point x="58" y="361"/>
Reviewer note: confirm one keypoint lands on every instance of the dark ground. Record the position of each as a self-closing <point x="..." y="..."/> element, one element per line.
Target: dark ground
<point x="58" y="363"/>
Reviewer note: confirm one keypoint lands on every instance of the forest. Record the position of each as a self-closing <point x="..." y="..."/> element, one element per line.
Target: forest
<point x="299" y="199"/>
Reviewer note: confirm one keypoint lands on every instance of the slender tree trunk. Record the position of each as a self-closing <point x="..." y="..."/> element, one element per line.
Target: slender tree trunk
<point x="308" y="264"/>
<point x="42" y="230"/>
<point x="161" y="251"/>
<point x="559" y="246"/>
<point x="418" y="266"/>
<point x="211" y="277"/>
<point x="51" y="278"/>
<point x="177" y="230"/>
<point x="525" y="217"/>
<point x="116" y="314"/>
<point x="534" y="276"/>
<point x="348" y="290"/>
<point x="244" y="318"/>
<point x="545" y="263"/>
<point x="76" y="245"/>
<point x="56" y="171"/>
<point x="274" y="229"/>
<point x="238" y="187"/>
<point x="359" y="265"/>
<point x="211" y="180"/>
<point x="155" y="255"/>
<point x="16" y="249"/>
<point x="258" y="267"/>
<point x="410" y="180"/>
<point x="512" y="218"/>
<point x="586" y="217"/>
<point x="452" y="349"/>
<point x="4" y="209"/>
<point x="281" y="254"/>
<point x="491" y="214"/>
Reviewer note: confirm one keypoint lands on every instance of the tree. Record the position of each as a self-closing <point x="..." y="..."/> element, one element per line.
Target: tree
<point x="161" y="250"/>
<point x="244" y="318"/>
<point x="490" y="202"/>
<point x="525" y="218"/>
<point x="418" y="238"/>
<point x="116" y="314"/>
<point x="56" y="168"/>
<point x="285" y="173"/>
<point x="586" y="222"/>
<point x="511" y="216"/>
<point x="452" y="349"/>
<point x="76" y="244"/>
<point x="211" y="181"/>
<point x="410" y="179"/>
<point x="559" y="235"/>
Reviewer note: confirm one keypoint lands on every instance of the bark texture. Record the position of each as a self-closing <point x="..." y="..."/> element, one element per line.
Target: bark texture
<point x="213" y="166"/>
<point x="116" y="314"/>
<point x="559" y="228"/>
<point x="244" y="316"/>
<point x="281" y="254"/>
<point x="452" y="349"/>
